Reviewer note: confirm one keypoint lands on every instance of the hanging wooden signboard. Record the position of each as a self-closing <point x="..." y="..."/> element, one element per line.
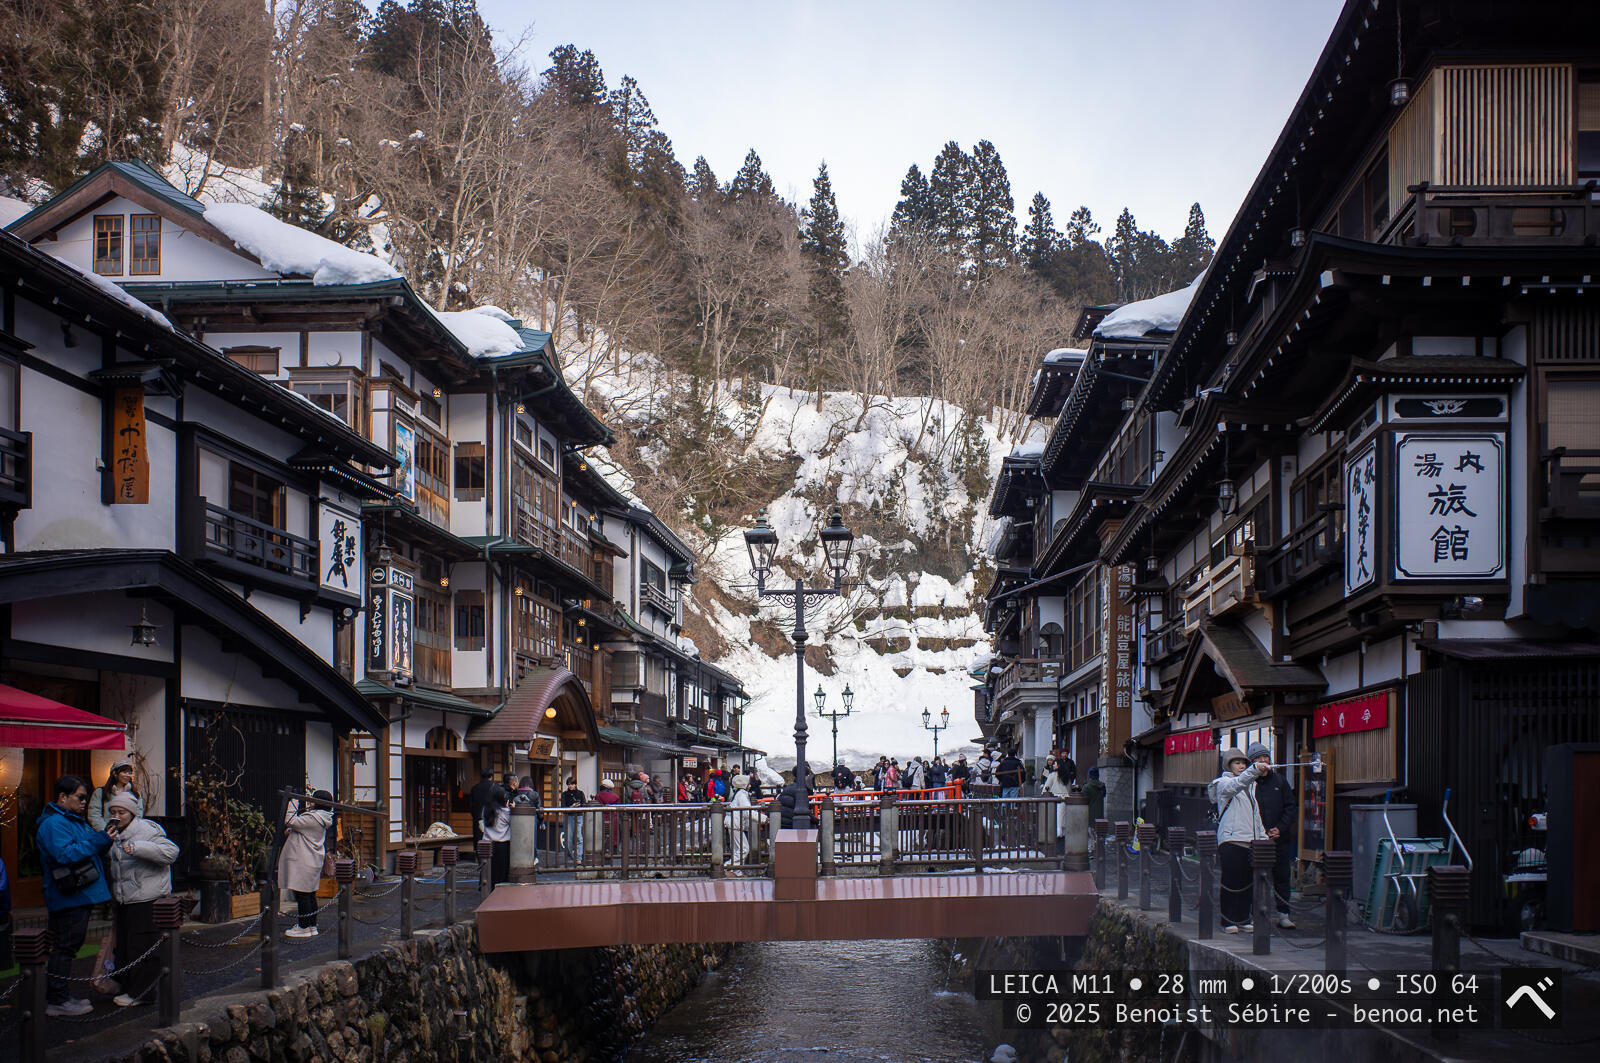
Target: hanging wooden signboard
<point x="130" y="456"/>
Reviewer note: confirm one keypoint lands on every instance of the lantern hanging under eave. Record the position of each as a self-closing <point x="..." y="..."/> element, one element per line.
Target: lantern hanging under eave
<point x="10" y="771"/>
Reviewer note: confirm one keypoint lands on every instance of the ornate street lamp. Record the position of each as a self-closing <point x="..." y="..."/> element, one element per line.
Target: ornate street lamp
<point x="762" y="542"/>
<point x="849" y="699"/>
<point x="944" y="722"/>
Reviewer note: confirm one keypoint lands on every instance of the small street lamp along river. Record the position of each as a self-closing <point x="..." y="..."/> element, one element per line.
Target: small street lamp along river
<point x="762" y="542"/>
<point x="944" y="721"/>
<point x="849" y="699"/>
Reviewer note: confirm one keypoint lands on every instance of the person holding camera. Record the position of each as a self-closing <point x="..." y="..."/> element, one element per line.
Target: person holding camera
<point x="141" y="874"/>
<point x="72" y="853"/>
<point x="1238" y="825"/>
<point x="301" y="859"/>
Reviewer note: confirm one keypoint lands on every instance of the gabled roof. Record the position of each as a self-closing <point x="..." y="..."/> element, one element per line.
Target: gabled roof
<point x="674" y="545"/>
<point x="523" y="714"/>
<point x="1232" y="657"/>
<point x="119" y="178"/>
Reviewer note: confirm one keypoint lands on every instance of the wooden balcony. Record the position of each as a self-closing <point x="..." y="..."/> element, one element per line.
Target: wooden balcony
<point x="1026" y="679"/>
<point x="1504" y="215"/>
<point x="1218" y="589"/>
<point x="1571" y="485"/>
<point x="653" y="707"/>
<point x="1312" y="549"/>
<point x="1166" y="642"/>
<point x="432" y="662"/>
<point x="16" y="469"/>
<point x="248" y="548"/>
<point x="650" y="594"/>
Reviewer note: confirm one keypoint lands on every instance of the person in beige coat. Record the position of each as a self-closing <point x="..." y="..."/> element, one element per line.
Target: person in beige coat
<point x="300" y="862"/>
<point x="141" y="857"/>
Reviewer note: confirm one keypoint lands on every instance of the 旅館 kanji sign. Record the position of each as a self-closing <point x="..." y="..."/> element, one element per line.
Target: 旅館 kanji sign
<point x="1450" y="499"/>
<point x="1366" y="713"/>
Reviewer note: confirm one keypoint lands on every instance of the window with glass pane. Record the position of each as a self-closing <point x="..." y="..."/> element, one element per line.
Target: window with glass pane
<point x="335" y="396"/>
<point x="255" y="495"/>
<point x="263" y="360"/>
<point x="1588" y="129"/>
<point x="471" y="472"/>
<point x="108" y="245"/>
<point x="469" y="620"/>
<point x="144" y="244"/>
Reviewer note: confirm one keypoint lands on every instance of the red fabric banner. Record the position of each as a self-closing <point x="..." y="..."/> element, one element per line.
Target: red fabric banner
<point x="1367" y="713"/>
<point x="31" y="722"/>
<point x="1190" y="742"/>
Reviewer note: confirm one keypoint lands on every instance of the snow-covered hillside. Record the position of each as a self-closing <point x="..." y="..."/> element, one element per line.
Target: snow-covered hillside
<point x="905" y="637"/>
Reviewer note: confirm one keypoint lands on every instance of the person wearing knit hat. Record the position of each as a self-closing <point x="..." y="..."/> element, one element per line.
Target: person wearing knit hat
<point x="1277" y="805"/>
<point x="743" y="822"/>
<point x="119" y="780"/>
<point x="607" y="795"/>
<point x="141" y="858"/>
<point x="1238" y="824"/>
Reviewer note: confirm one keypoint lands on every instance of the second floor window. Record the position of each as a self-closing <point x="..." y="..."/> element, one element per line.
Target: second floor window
<point x="471" y="472"/>
<point x="108" y="245"/>
<point x="144" y="247"/>
<point x="255" y="495"/>
<point x="433" y="474"/>
<point x="263" y="360"/>
<point x="470" y="633"/>
<point x="1588" y="129"/>
<point x="340" y="397"/>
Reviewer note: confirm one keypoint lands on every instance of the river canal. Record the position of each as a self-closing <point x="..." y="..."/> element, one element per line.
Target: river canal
<point x="823" y="1002"/>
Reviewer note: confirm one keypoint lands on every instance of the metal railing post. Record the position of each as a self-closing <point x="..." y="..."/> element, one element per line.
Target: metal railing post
<point x="1147" y="858"/>
<point x="1449" y="888"/>
<point x="718" y="818"/>
<point x="168" y="913"/>
<point x="1205" y="845"/>
<point x="825" y="836"/>
<point x="485" y="857"/>
<point x="1263" y="854"/>
<point x="1176" y="836"/>
<point x="32" y="947"/>
<point x="1102" y="831"/>
<point x="269" y="933"/>
<point x="626" y="822"/>
<point x="1124" y="834"/>
<point x="1074" y="811"/>
<point x="405" y="862"/>
<point x="888" y="832"/>
<point x="1337" y="869"/>
<point x="344" y="873"/>
<point x="524" y="843"/>
<point x="449" y="855"/>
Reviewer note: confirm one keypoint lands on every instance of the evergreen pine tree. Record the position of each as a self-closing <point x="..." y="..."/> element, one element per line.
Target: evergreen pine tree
<point x="575" y="77"/>
<point x="950" y="199"/>
<point x="992" y="212"/>
<point x="703" y="184"/>
<point x="914" y="211"/>
<point x="1081" y="227"/>
<point x="822" y="241"/>
<point x="1040" y="238"/>
<point x="751" y="182"/>
<point x="1192" y="250"/>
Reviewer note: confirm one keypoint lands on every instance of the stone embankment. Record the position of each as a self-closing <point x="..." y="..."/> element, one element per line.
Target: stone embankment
<point x="438" y="998"/>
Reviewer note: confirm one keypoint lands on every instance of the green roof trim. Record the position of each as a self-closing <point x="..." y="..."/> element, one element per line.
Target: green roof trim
<point x="133" y="170"/>
<point x="429" y="699"/>
<point x="618" y="737"/>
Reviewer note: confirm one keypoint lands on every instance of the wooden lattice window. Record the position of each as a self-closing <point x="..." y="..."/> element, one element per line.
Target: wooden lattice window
<point x="108" y="245"/>
<point x="144" y="245"/>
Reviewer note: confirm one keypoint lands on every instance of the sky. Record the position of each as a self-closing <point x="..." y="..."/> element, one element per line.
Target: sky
<point x="1145" y="104"/>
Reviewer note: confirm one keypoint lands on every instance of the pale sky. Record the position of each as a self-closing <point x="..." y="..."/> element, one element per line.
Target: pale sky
<point x="1148" y="104"/>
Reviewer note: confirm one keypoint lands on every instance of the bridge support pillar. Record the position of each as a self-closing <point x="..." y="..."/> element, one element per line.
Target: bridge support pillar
<point x="717" y="857"/>
<point x="1075" y="831"/>
<point x="829" y="866"/>
<point x="1205" y="845"/>
<point x="794" y="866"/>
<point x="888" y="832"/>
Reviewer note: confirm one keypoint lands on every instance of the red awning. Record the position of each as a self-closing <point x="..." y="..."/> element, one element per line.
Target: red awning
<point x="31" y="722"/>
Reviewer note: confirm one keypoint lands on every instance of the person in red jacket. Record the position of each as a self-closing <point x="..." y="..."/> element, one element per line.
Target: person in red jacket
<point x="608" y="796"/>
<point x="686" y="788"/>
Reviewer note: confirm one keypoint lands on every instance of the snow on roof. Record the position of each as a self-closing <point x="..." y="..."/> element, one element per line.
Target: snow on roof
<point x="484" y="330"/>
<point x="1028" y="451"/>
<point x="115" y="291"/>
<point x="285" y="248"/>
<point x="12" y="209"/>
<point x="1134" y="320"/>
<point x="1065" y="356"/>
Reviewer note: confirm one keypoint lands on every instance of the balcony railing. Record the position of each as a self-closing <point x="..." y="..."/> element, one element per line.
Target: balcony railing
<point x="1313" y="548"/>
<point x="1217" y="589"/>
<point x="1026" y="670"/>
<point x="1165" y="642"/>
<point x="239" y="541"/>
<point x="1500" y="215"/>
<point x="16" y="469"/>
<point x="1572" y="485"/>
<point x="580" y="662"/>
<point x="650" y="594"/>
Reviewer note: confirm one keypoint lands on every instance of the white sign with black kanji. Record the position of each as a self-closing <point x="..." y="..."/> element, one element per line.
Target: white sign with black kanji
<point x="1450" y="497"/>
<point x="1361" y="518"/>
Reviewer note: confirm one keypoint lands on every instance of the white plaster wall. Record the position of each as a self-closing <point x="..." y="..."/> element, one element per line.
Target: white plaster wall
<point x="288" y="344"/>
<point x="226" y="419"/>
<point x="1052" y="611"/>
<point x="1382" y="664"/>
<point x="1342" y="672"/>
<point x="185" y="255"/>
<point x="140" y="701"/>
<point x="321" y="749"/>
<point x="334" y="348"/>
<point x="315" y="631"/>
<point x="211" y="675"/>
<point x="96" y="623"/>
<point x="1256" y="622"/>
<point x="1520" y="523"/>
<point x="467" y="425"/>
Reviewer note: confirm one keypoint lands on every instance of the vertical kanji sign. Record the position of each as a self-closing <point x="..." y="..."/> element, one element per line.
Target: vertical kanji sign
<point x="1450" y="500"/>
<point x="130" y="456"/>
<point x="1116" y="707"/>
<point x="1360" y="518"/>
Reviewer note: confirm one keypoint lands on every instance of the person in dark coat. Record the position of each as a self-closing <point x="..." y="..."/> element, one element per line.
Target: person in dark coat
<point x="960" y="773"/>
<point x="1095" y="791"/>
<point x="476" y="799"/>
<point x="1276" y="798"/>
<point x="66" y="842"/>
<point x="843" y="778"/>
<point x="1010" y="772"/>
<point x="937" y="774"/>
<point x="788" y="798"/>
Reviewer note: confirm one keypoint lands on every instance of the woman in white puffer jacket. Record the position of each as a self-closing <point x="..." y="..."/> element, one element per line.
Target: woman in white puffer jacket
<point x="1238" y="824"/>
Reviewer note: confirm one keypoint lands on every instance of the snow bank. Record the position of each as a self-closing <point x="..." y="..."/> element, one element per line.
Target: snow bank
<point x="1028" y="451"/>
<point x="1065" y="356"/>
<point x="485" y="331"/>
<point x="1161" y="314"/>
<point x="12" y="209"/>
<point x="284" y="248"/>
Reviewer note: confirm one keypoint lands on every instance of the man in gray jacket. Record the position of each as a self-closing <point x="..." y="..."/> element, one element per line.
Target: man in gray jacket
<point x="141" y="859"/>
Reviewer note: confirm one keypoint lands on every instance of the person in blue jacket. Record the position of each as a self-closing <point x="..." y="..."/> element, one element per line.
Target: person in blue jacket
<point x="74" y="882"/>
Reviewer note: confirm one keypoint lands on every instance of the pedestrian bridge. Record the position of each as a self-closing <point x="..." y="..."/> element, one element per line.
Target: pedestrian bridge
<point x="795" y="904"/>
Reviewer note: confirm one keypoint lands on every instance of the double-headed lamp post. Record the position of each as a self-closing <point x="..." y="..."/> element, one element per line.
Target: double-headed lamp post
<point x="762" y="542"/>
<point x="849" y="699"/>
<point x="944" y="721"/>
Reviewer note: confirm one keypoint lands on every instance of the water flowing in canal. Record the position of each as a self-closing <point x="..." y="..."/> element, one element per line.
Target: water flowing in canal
<point x="823" y="1002"/>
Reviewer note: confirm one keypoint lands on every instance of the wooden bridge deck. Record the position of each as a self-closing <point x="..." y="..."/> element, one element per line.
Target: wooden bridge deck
<point x="517" y="918"/>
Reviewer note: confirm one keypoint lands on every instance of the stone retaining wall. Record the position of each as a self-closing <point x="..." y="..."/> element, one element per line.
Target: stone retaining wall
<point x="438" y="998"/>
